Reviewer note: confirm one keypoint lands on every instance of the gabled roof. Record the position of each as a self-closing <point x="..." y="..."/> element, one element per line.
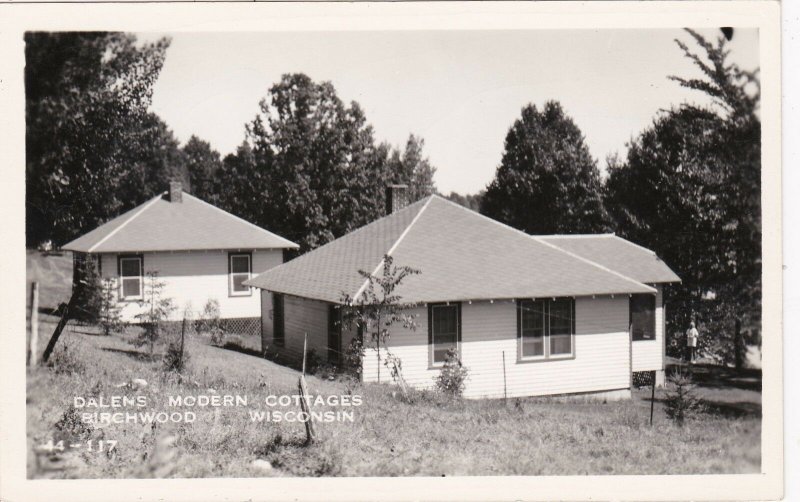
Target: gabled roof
<point x="462" y="255"/>
<point x="161" y="225"/>
<point x="617" y="254"/>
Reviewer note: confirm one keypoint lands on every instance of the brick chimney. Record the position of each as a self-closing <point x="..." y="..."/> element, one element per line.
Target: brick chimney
<point x="396" y="197"/>
<point x="175" y="191"/>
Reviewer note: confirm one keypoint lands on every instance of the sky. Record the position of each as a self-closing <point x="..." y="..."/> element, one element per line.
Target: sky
<point x="458" y="90"/>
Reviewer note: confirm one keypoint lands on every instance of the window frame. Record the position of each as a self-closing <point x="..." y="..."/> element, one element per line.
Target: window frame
<point x="121" y="293"/>
<point x="431" y="306"/>
<point x="649" y="296"/>
<point x="546" y="353"/>
<point x="231" y="292"/>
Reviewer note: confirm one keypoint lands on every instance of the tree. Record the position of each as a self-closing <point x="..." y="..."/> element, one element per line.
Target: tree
<point x="90" y="139"/>
<point x="470" y="201"/>
<point x="314" y="163"/>
<point x="547" y="181"/>
<point x="110" y="318"/>
<point x="690" y="190"/>
<point x="203" y="163"/>
<point x="156" y="309"/>
<point x="377" y="309"/>
<point x="411" y="167"/>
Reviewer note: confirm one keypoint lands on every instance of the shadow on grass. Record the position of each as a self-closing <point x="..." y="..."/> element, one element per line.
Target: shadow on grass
<point x="134" y="354"/>
<point x="721" y="377"/>
<point x="739" y="409"/>
<point x="235" y="347"/>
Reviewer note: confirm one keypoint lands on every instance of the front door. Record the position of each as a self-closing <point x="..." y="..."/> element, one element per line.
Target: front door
<point x="334" y="334"/>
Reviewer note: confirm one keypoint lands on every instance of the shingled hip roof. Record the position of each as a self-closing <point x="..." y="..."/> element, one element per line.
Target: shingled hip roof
<point x="161" y="225"/>
<point x="462" y="255"/>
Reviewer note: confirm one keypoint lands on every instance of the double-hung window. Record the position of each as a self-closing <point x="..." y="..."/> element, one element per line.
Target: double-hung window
<point x="130" y="275"/>
<point x="238" y="272"/>
<point x="643" y="317"/>
<point x="444" y="331"/>
<point x="545" y="328"/>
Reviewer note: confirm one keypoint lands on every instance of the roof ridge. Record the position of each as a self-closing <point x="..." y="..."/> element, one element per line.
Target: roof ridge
<point x="231" y="215"/>
<point x="542" y="241"/>
<point x="360" y="290"/>
<point x="144" y="207"/>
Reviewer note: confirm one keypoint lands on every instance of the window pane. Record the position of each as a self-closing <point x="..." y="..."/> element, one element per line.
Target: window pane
<point x="561" y="316"/>
<point x="238" y="279"/>
<point x="444" y="330"/>
<point x="560" y="344"/>
<point x="130" y="267"/>
<point x="131" y="287"/>
<point x="532" y="327"/>
<point x="240" y="264"/>
<point x="643" y="317"/>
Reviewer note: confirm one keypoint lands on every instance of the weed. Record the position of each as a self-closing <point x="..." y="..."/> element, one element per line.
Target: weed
<point x="64" y="361"/>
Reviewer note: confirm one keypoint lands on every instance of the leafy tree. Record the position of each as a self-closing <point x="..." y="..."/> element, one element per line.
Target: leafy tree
<point x="203" y="163"/>
<point x="377" y="309"/>
<point x="690" y="190"/>
<point x="547" y="181"/>
<point x="470" y="201"/>
<point x="90" y="139"/>
<point x="411" y="167"/>
<point x="315" y="161"/>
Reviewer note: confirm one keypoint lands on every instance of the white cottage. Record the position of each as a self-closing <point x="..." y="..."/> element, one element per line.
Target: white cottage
<point x="529" y="315"/>
<point x="199" y="251"/>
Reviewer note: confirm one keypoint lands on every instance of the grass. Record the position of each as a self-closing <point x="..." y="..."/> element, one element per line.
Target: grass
<point x="434" y="436"/>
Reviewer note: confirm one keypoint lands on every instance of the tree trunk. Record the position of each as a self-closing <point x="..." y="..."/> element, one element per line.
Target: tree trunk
<point x="739" y="348"/>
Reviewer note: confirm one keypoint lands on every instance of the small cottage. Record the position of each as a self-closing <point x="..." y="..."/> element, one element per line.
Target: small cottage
<point x="199" y="252"/>
<point x="528" y="315"/>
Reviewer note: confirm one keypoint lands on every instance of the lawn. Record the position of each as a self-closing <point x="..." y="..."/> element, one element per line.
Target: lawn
<point x="433" y="436"/>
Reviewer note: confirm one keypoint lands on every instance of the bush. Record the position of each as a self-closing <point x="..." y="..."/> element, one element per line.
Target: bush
<point x="175" y="357"/>
<point x="354" y="355"/>
<point x="681" y="401"/>
<point x="210" y="322"/>
<point x="453" y="376"/>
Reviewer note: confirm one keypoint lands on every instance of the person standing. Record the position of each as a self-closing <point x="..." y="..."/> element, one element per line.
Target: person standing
<point x="692" y="336"/>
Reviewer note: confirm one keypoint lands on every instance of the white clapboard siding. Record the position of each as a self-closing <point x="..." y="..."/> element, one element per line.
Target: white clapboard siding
<point x="192" y="278"/>
<point x="648" y="355"/>
<point x="601" y="362"/>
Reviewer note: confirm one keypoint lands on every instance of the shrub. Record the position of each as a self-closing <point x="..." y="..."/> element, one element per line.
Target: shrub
<point x="210" y="322"/>
<point x="175" y="357"/>
<point x="452" y="378"/>
<point x="681" y="401"/>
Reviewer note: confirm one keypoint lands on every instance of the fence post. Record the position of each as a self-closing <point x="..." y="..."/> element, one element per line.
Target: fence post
<point x="304" y="406"/>
<point x="34" y="343"/>
<point x="65" y="315"/>
<point x="505" y="394"/>
<point x="652" y="398"/>
<point x="183" y="331"/>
